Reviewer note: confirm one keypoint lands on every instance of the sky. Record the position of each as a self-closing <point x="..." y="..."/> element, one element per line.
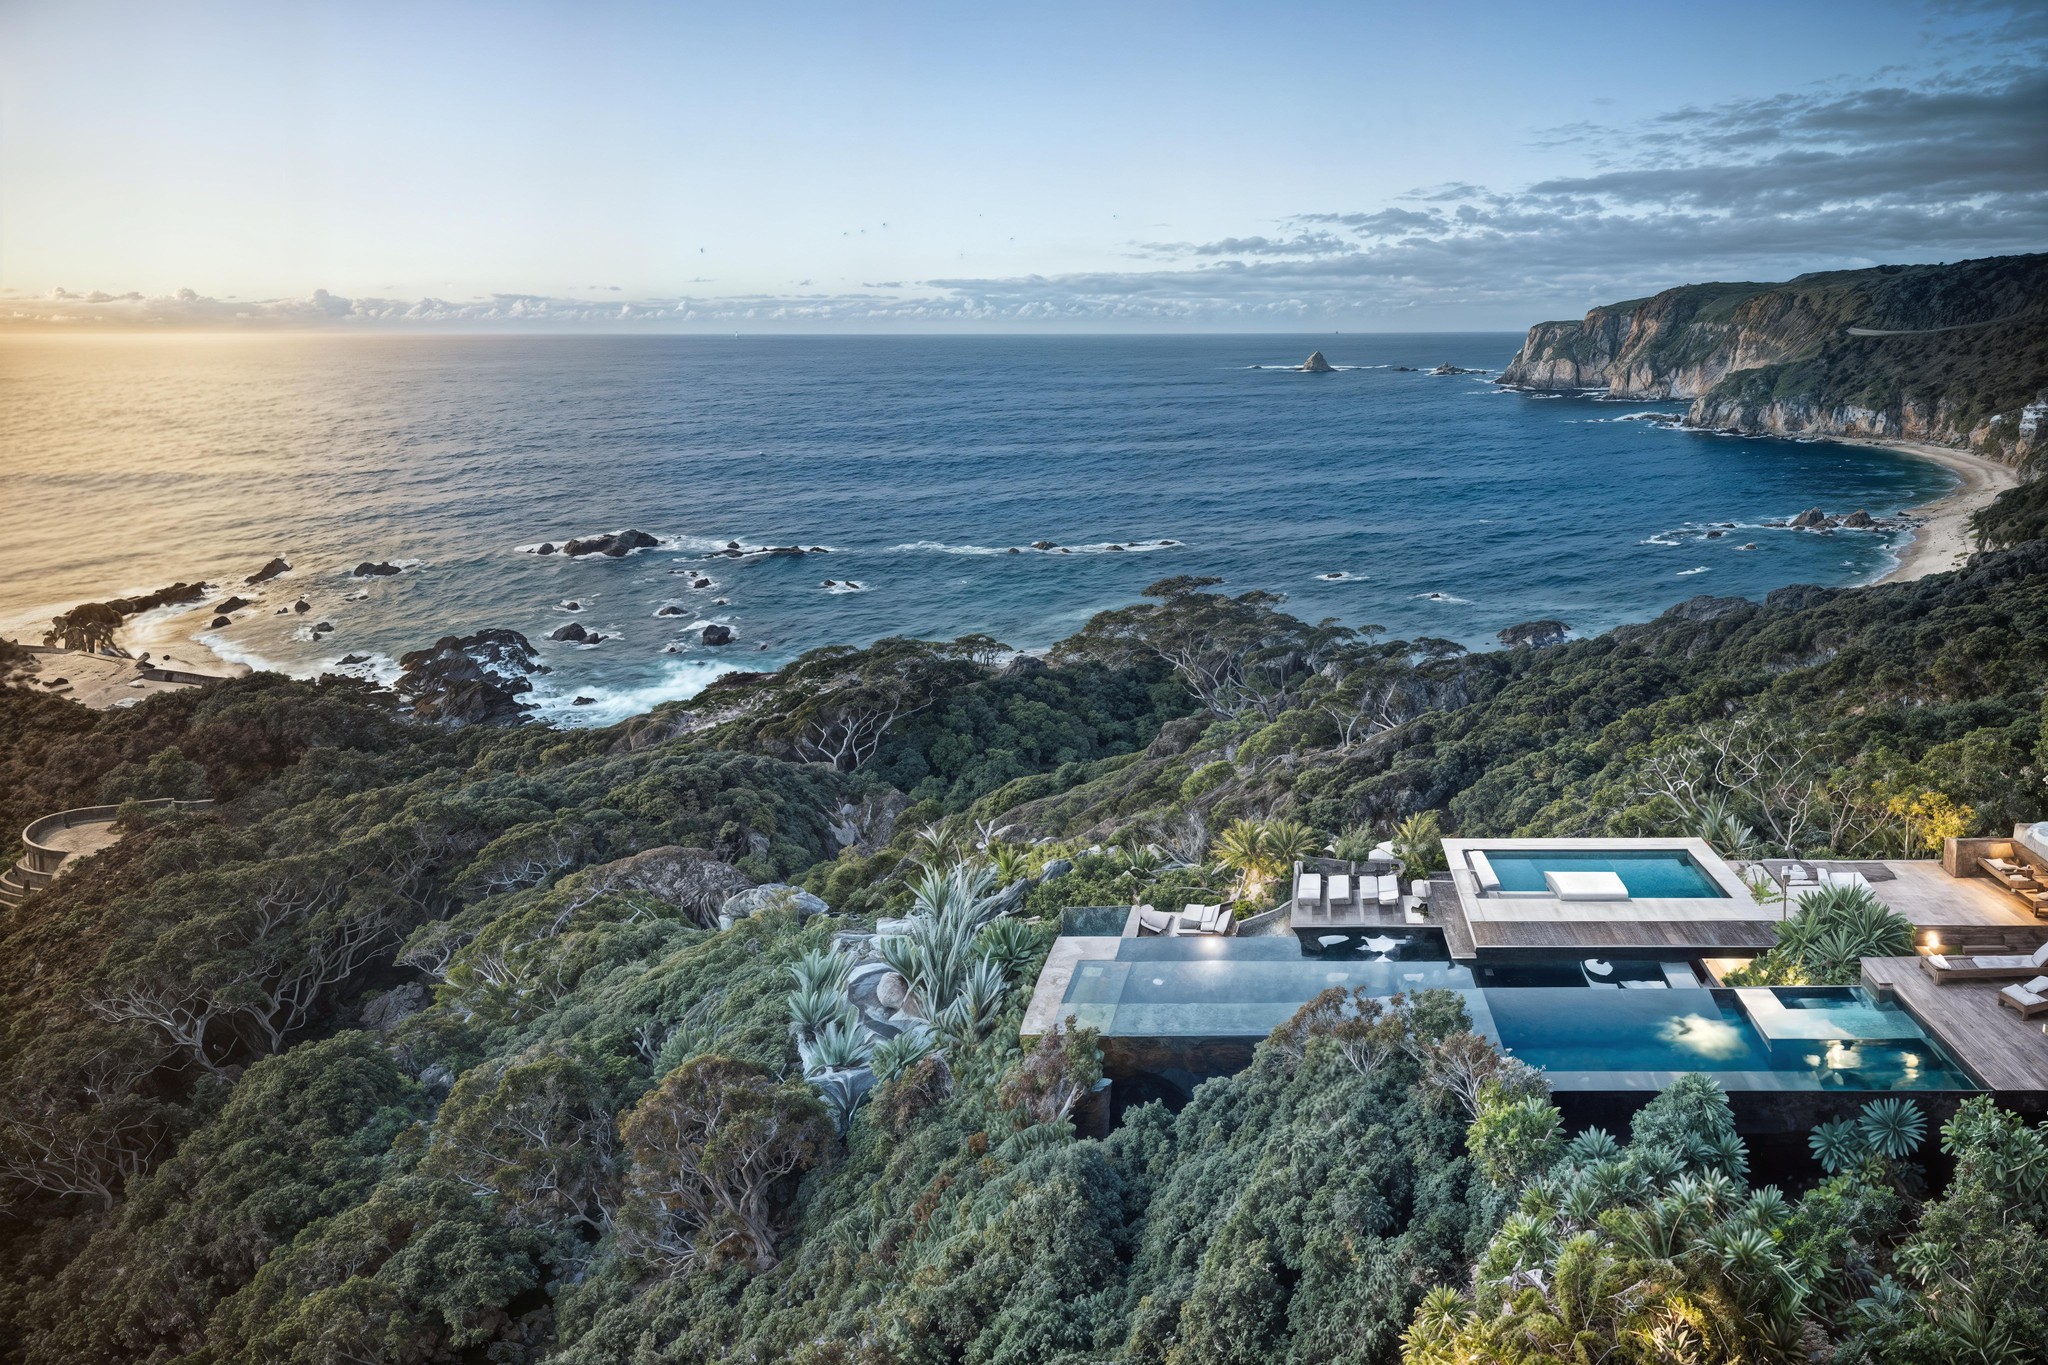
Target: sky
<point x="880" y="167"/>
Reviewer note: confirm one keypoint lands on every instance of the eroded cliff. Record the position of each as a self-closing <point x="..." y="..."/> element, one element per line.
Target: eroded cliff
<point x="1948" y="353"/>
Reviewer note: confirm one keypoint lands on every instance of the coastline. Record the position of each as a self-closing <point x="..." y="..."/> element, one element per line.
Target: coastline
<point x="1942" y="540"/>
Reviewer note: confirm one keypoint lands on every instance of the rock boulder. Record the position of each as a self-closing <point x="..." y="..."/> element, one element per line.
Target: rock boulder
<point x="754" y="900"/>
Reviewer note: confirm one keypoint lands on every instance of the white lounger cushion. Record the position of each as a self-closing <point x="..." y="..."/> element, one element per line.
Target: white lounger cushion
<point x="1340" y="889"/>
<point x="1308" y="887"/>
<point x="1389" y="889"/>
<point x="1483" y="870"/>
<point x="2023" y="995"/>
<point x="1154" y="921"/>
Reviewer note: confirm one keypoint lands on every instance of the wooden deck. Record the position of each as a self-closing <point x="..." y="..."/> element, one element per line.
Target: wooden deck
<point x="1687" y="938"/>
<point x="1447" y="910"/>
<point x="2004" y="1051"/>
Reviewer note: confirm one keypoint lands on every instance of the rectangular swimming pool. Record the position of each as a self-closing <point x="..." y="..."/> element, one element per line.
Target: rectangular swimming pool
<point x="1167" y="993"/>
<point x="1648" y="873"/>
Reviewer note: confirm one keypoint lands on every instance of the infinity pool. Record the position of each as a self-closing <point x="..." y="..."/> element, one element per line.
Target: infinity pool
<point x="1173" y="991"/>
<point x="1649" y="873"/>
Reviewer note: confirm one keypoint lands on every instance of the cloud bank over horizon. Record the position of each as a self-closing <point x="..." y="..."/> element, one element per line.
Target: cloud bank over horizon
<point x="1940" y="168"/>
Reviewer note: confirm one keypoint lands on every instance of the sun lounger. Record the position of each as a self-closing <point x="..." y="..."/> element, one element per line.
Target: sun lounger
<point x="1204" y="919"/>
<point x="1389" y="889"/>
<point x="2029" y="999"/>
<point x="2008" y="967"/>
<point x="1308" y="890"/>
<point x="1152" y="921"/>
<point x="1339" y="887"/>
<point x="2009" y="875"/>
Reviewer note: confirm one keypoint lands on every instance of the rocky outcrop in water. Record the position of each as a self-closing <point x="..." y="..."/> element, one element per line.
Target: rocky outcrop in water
<point x="1534" y="635"/>
<point x="470" y="679"/>
<point x="1951" y="354"/>
<point x="268" y="571"/>
<point x="613" y="545"/>
<point x="385" y="569"/>
<point x="1315" y="364"/>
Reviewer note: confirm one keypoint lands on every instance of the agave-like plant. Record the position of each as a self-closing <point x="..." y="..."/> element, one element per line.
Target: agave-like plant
<point x="813" y="1009"/>
<point x="1010" y="944"/>
<point x="1894" y="1127"/>
<point x="893" y="1056"/>
<point x="839" y="1046"/>
<point x="841" y="1094"/>
<point x="1012" y="862"/>
<point x="954" y="891"/>
<point x="1595" y="1144"/>
<point x="821" y="968"/>
<point x="1838" y="1145"/>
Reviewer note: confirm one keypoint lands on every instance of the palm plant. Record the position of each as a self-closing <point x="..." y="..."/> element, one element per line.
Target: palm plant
<point x="1418" y="845"/>
<point x="1241" y="848"/>
<point x="1290" y="840"/>
<point x="1355" y="845"/>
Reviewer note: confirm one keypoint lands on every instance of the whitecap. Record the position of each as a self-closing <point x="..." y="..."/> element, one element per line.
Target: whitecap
<point x="681" y="680"/>
<point x="1442" y="597"/>
<point x="1341" y="576"/>
<point x="1683" y="573"/>
<point x="845" y="586"/>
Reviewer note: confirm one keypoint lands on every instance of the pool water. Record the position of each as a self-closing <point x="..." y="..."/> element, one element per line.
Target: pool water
<point x="1835" y="1038"/>
<point x="1647" y="873"/>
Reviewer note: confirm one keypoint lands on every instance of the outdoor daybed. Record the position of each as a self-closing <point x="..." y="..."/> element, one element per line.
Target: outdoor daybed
<point x="2013" y="966"/>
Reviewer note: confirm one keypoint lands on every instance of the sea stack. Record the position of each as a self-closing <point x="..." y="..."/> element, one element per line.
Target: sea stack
<point x="1315" y="364"/>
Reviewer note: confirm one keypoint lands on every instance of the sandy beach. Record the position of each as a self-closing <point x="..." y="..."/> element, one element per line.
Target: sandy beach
<point x="1944" y="542"/>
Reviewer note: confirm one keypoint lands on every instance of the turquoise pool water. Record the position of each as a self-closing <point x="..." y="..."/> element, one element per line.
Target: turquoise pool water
<point x="1650" y="872"/>
<point x="1835" y="1038"/>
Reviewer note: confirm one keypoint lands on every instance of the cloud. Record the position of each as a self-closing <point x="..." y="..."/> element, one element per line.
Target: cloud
<point x="1947" y="167"/>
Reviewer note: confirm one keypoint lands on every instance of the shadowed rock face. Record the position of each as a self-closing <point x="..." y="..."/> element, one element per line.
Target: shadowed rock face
<point x="269" y="571"/>
<point x="470" y="679"/>
<point x="1534" y="635"/>
<point x="1315" y="364"/>
<point x="693" y="880"/>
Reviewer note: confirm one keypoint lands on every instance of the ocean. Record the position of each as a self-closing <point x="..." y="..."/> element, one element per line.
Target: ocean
<point x="924" y="467"/>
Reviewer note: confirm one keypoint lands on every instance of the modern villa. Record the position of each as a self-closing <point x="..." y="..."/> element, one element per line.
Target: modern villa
<point x="1600" y="961"/>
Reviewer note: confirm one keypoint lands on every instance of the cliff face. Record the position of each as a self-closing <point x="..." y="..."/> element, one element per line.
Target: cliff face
<point x="1950" y="353"/>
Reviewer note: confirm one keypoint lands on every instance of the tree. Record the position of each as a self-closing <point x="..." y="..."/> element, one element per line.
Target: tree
<point x="537" y="1134"/>
<point x="1513" y="1139"/>
<point x="716" y="1148"/>
<point x="1048" y="1081"/>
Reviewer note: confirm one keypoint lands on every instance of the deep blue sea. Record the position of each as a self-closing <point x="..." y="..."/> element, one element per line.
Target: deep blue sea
<point x="1424" y="504"/>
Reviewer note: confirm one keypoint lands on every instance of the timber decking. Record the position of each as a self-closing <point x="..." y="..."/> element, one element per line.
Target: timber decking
<point x="1694" y="936"/>
<point x="2001" y="1049"/>
<point x="1447" y="910"/>
<point x="1470" y="939"/>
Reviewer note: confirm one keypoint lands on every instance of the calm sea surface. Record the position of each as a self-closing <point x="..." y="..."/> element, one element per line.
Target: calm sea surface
<point x="1428" y="505"/>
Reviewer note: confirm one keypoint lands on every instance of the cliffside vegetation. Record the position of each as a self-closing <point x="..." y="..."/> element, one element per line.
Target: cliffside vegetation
<point x="431" y="1045"/>
<point x="1949" y="353"/>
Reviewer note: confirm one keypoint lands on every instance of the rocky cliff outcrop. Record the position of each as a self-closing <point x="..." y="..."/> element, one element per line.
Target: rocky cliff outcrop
<point x="470" y="679"/>
<point x="1945" y="353"/>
